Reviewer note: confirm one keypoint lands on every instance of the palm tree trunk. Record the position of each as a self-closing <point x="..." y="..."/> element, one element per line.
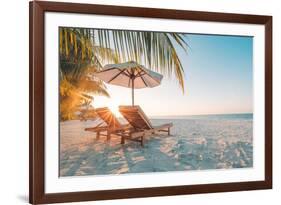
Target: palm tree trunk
<point x="133" y="86"/>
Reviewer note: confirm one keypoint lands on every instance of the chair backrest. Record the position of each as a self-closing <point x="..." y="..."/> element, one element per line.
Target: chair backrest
<point x="135" y="116"/>
<point x="108" y="117"/>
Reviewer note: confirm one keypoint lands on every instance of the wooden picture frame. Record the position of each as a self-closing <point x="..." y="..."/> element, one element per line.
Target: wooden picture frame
<point x="37" y="11"/>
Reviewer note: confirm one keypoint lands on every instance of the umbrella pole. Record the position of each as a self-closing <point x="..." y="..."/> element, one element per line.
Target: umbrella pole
<point x="133" y="85"/>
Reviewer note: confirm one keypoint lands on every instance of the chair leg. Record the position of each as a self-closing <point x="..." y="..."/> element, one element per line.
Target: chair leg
<point x="142" y="141"/>
<point x="122" y="140"/>
<point x="169" y="133"/>
<point x="108" y="136"/>
<point x="98" y="136"/>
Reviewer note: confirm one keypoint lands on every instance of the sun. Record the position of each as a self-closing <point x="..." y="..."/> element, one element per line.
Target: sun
<point x="114" y="109"/>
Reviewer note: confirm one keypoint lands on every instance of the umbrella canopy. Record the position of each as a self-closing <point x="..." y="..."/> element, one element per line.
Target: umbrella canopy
<point x="130" y="75"/>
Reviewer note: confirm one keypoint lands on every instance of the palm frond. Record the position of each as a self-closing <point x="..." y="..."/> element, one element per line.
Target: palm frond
<point x="83" y="51"/>
<point x="158" y="51"/>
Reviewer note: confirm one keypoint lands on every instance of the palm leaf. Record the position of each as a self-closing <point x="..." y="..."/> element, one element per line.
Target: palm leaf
<point x="157" y="51"/>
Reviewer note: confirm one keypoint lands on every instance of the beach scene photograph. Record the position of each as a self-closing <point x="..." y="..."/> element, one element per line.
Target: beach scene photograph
<point x="134" y="102"/>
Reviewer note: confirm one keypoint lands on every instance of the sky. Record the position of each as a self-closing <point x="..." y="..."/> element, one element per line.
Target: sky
<point x="218" y="80"/>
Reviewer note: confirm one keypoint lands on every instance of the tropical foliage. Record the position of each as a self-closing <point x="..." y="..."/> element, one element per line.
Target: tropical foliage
<point x="156" y="50"/>
<point x="85" y="51"/>
<point x="77" y="64"/>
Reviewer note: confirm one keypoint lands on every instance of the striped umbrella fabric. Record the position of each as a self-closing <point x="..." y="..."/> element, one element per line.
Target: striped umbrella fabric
<point x="131" y="75"/>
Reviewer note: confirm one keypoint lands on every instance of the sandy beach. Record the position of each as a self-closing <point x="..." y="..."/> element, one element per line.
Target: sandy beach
<point x="195" y="144"/>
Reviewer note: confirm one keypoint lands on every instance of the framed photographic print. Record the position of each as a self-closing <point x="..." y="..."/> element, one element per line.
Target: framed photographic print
<point x="138" y="102"/>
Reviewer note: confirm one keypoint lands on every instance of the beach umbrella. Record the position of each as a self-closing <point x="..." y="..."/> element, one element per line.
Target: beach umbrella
<point x="129" y="74"/>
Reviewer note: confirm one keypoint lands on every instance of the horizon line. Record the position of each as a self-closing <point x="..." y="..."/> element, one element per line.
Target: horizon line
<point x="185" y="115"/>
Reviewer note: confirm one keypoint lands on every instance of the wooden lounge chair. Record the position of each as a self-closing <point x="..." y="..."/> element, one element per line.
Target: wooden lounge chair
<point x="140" y="122"/>
<point x="112" y="125"/>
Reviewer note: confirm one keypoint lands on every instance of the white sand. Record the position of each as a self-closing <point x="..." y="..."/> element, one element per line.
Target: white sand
<point x="195" y="144"/>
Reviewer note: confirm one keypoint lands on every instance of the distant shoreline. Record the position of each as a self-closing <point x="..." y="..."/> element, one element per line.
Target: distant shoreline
<point x="221" y="116"/>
